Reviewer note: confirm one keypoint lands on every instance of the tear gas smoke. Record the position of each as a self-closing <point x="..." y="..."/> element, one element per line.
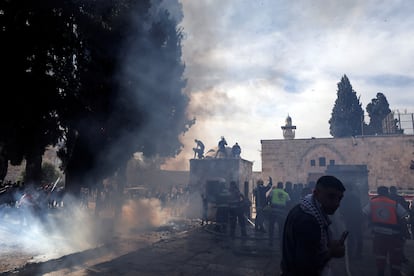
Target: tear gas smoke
<point x="142" y="214"/>
<point x="47" y="234"/>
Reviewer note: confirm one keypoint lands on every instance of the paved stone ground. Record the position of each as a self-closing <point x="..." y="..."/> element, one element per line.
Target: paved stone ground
<point x="194" y="251"/>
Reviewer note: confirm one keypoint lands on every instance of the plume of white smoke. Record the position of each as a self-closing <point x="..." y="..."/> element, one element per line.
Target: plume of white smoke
<point x="48" y="233"/>
<point x="141" y="214"/>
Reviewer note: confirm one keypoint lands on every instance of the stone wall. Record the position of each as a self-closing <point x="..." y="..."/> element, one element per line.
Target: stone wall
<point x="387" y="158"/>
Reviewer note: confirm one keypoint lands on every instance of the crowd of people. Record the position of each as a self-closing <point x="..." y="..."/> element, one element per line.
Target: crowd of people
<point x="304" y="215"/>
<point x="36" y="202"/>
<point x="31" y="201"/>
<point x="307" y="218"/>
<point x="311" y="220"/>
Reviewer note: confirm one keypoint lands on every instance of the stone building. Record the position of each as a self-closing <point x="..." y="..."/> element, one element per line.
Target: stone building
<point x="386" y="160"/>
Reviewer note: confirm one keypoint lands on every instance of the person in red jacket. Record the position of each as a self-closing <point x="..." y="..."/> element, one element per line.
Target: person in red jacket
<point x="384" y="215"/>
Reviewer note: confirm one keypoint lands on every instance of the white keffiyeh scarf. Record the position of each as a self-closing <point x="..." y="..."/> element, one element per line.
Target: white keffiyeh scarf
<point x="310" y="206"/>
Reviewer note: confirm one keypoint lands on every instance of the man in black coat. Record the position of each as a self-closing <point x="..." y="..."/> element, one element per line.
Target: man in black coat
<point x="307" y="243"/>
<point x="259" y="194"/>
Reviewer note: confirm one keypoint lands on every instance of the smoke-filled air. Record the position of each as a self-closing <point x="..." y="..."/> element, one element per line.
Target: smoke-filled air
<point x="103" y="84"/>
<point x="125" y="123"/>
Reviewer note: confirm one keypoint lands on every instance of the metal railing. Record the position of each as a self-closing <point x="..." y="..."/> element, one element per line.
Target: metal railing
<point x="395" y="123"/>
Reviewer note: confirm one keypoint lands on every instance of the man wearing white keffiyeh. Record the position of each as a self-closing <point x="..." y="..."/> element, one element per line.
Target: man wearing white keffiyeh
<point x="312" y="207"/>
<point x="307" y="244"/>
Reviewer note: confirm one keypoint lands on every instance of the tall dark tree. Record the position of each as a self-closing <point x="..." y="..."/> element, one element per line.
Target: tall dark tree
<point x="347" y="114"/>
<point x="106" y="80"/>
<point x="131" y="83"/>
<point x="86" y="134"/>
<point x="378" y="109"/>
<point x="33" y="55"/>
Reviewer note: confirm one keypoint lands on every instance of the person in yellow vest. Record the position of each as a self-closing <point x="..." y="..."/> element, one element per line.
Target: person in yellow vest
<point x="384" y="214"/>
<point x="278" y="200"/>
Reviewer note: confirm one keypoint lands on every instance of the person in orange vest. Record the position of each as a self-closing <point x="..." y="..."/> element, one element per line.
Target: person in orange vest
<point x="384" y="215"/>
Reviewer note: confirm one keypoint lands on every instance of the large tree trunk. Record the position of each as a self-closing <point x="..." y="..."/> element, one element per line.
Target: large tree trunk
<point x="34" y="168"/>
<point x="79" y="165"/>
<point x="72" y="183"/>
<point x="4" y="165"/>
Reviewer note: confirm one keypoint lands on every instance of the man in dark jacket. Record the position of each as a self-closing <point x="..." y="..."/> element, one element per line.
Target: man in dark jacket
<point x="307" y="243"/>
<point x="236" y="210"/>
<point x="405" y="233"/>
<point x="259" y="194"/>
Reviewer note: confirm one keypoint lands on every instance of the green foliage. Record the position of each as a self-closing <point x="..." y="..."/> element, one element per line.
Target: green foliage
<point x="49" y="173"/>
<point x="105" y="80"/>
<point x="36" y="70"/>
<point x="347" y="114"/>
<point x="377" y="110"/>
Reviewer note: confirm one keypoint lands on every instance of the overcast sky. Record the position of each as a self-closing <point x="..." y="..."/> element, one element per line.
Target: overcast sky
<point x="251" y="63"/>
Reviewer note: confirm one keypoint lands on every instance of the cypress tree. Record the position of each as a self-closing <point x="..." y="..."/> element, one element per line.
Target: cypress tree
<point x="347" y="114"/>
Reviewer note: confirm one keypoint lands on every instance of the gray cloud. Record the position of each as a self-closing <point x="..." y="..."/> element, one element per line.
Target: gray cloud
<point x="259" y="60"/>
<point x="391" y="80"/>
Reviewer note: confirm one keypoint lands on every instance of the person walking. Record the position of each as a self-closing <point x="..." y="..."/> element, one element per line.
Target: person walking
<point x="236" y="210"/>
<point x="307" y="240"/>
<point x="384" y="214"/>
<point x="405" y="232"/>
<point x="279" y="200"/>
<point x="259" y="194"/>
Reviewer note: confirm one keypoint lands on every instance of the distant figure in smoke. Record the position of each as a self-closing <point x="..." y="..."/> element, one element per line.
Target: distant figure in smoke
<point x="259" y="194"/>
<point x="204" y="218"/>
<point x="222" y="213"/>
<point x="222" y="147"/>
<point x="236" y="211"/>
<point x="199" y="149"/>
<point x="28" y="206"/>
<point x="236" y="150"/>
